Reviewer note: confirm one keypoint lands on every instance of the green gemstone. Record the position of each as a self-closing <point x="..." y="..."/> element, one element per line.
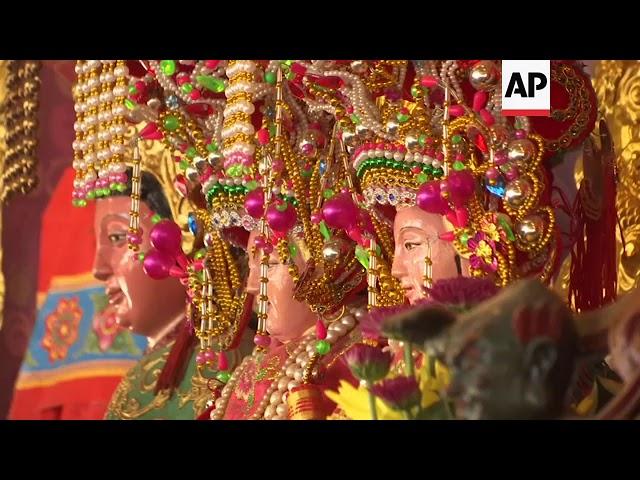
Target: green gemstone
<point x="212" y="147"/>
<point x="272" y="130"/>
<point x="324" y="230"/>
<point x="415" y="91"/>
<point x="270" y="78"/>
<point x="171" y="123"/>
<point x="183" y="165"/>
<point x="438" y="172"/>
<point x="293" y="250"/>
<point x="464" y="238"/>
<point x="363" y="256"/>
<point x="287" y="62"/>
<point x="251" y="185"/>
<point x="422" y="177"/>
<point x="323" y="347"/>
<point x="458" y="165"/>
<point x="223" y="376"/>
<point x="141" y="256"/>
<point x="187" y="87"/>
<point x="328" y="193"/>
<point x="428" y="169"/>
<point x="132" y="90"/>
<point x="168" y="67"/>
<point x="82" y="202"/>
<point x="211" y="83"/>
<point x="200" y="254"/>
<point x="422" y="139"/>
<point x="191" y="152"/>
<point x="156" y="218"/>
<point x="91" y="194"/>
<point x="456" y="139"/>
<point x="290" y="75"/>
<point x="122" y="187"/>
<point x="130" y="104"/>
<point x="402" y="117"/>
<point x="355" y="118"/>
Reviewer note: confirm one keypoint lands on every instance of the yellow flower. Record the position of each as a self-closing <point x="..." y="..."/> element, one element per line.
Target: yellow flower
<point x="484" y="250"/>
<point x="432" y="385"/>
<point x="492" y="231"/>
<point x="355" y="403"/>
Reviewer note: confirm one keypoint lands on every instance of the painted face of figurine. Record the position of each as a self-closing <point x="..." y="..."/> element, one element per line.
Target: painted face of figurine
<point x="287" y="318"/>
<point x="413" y="231"/>
<point x="143" y="305"/>
<point x="512" y="356"/>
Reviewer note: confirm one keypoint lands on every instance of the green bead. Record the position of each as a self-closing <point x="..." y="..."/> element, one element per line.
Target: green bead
<point x="428" y="169"/>
<point x="132" y="90"/>
<point x="287" y="62"/>
<point x="156" y="218"/>
<point x="272" y="130"/>
<point x="422" y="139"/>
<point x="422" y="177"/>
<point x="324" y="230"/>
<point x="290" y="75"/>
<point x="415" y="91"/>
<point x="223" y="376"/>
<point x="122" y="187"/>
<point x="464" y="238"/>
<point x="168" y="67"/>
<point x="251" y="185"/>
<point x="456" y="139"/>
<point x="130" y="104"/>
<point x="200" y="254"/>
<point x="328" y="193"/>
<point x="141" y="256"/>
<point x="113" y="186"/>
<point x="183" y="165"/>
<point x="82" y="202"/>
<point x="355" y="118"/>
<point x="91" y="194"/>
<point x="323" y="347"/>
<point x="191" y="152"/>
<point x="438" y="172"/>
<point x="211" y="83"/>
<point x="74" y="202"/>
<point x="293" y="250"/>
<point x="171" y="123"/>
<point x="212" y="147"/>
<point x="270" y="78"/>
<point x="402" y="117"/>
<point x="187" y="87"/>
<point x="458" y="165"/>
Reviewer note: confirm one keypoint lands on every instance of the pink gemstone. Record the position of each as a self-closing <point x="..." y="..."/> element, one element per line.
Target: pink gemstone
<point x="211" y="64"/>
<point x="223" y="363"/>
<point x="500" y="157"/>
<point x="456" y="110"/>
<point x="487" y="117"/>
<point x="321" y="330"/>
<point x="316" y="217"/>
<point x="459" y="157"/>
<point x="298" y="68"/>
<point x="520" y="134"/>
<point x="512" y="174"/>
<point x="440" y="156"/>
<point x="195" y="94"/>
<point x="479" y="100"/>
<point x="268" y="248"/>
<point x="134" y="238"/>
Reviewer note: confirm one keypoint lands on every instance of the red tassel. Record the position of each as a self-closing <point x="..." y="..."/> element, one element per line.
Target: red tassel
<point x="593" y="278"/>
<point x="176" y="364"/>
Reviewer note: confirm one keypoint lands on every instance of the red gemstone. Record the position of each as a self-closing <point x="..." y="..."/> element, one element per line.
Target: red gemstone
<point x="321" y="330"/>
<point x="326" y="82"/>
<point x="199" y="109"/>
<point x="180" y="184"/>
<point x="296" y="90"/>
<point x="223" y="363"/>
<point x="481" y="143"/>
<point x="211" y="64"/>
<point x="298" y="69"/>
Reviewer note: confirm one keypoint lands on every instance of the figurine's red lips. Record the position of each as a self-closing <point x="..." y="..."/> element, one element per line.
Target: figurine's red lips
<point x="115" y="296"/>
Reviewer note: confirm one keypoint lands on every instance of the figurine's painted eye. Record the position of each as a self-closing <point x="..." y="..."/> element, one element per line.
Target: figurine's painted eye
<point x="116" y="238"/>
<point x="411" y="245"/>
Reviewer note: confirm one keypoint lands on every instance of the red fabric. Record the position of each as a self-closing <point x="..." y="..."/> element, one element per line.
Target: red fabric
<point x="82" y="399"/>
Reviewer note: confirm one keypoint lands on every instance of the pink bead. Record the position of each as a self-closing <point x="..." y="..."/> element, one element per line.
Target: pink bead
<point x="459" y="157"/>
<point x="211" y="64"/>
<point x="520" y="134"/>
<point x="456" y="110"/>
<point x="444" y="186"/>
<point x="512" y="174"/>
<point x="134" y="238"/>
<point x="268" y="248"/>
<point x="428" y="81"/>
<point x="487" y="117"/>
<point x="500" y="157"/>
<point x="208" y="356"/>
<point x="259" y="241"/>
<point x="277" y="165"/>
<point x="200" y="358"/>
<point x="262" y="340"/>
<point x="479" y="100"/>
<point x="316" y="217"/>
<point x="223" y="363"/>
<point x="492" y="173"/>
<point x="81" y="194"/>
<point x="182" y="78"/>
<point x="440" y="156"/>
<point x="321" y="330"/>
<point x="263" y="136"/>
